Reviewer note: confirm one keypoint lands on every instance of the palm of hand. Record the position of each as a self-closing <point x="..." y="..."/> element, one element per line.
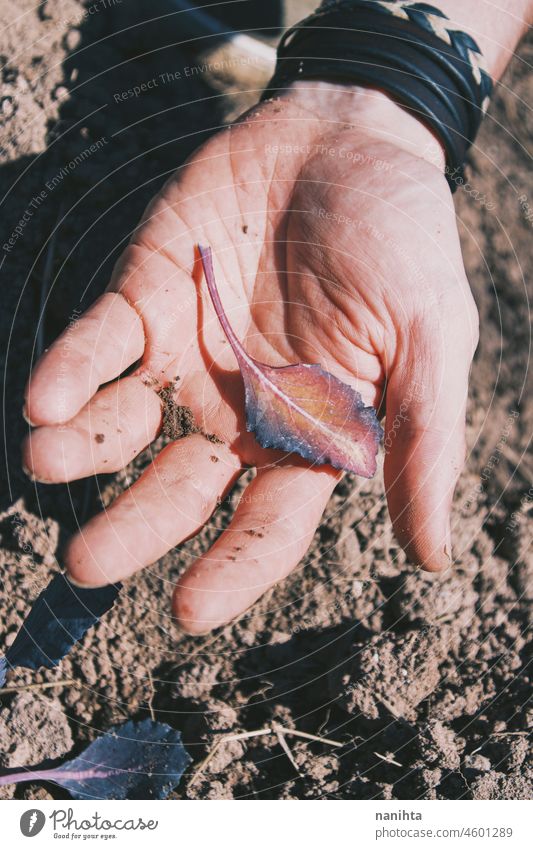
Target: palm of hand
<point x="315" y="261"/>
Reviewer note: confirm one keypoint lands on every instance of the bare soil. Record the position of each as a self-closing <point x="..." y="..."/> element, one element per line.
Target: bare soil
<point x="424" y="678"/>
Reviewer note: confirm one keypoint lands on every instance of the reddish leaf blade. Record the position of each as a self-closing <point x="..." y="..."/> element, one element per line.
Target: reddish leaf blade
<point x="305" y="409"/>
<point x="302" y="407"/>
<point x="136" y="760"/>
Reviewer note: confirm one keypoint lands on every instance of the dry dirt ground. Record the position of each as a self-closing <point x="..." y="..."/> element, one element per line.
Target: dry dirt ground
<point x="424" y="679"/>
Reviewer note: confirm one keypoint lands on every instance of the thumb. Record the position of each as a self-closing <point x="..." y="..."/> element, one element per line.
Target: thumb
<point x="425" y="440"/>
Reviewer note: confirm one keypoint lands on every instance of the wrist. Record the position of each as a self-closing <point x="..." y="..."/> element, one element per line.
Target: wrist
<point x="370" y="110"/>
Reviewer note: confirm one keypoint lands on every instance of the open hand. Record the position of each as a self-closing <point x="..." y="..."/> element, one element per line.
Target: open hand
<point x="334" y="242"/>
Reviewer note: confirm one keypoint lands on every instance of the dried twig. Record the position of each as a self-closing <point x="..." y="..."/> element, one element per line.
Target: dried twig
<point x="228" y="738"/>
<point x="509" y="733"/>
<point x="314" y="737"/>
<point x="276" y="729"/>
<point x="45" y="686"/>
<point x="279" y="731"/>
<point x="326" y="720"/>
<point x="388" y="759"/>
<point x="152" y="696"/>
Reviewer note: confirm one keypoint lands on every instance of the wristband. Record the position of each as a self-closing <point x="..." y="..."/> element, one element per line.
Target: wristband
<point x="405" y="49"/>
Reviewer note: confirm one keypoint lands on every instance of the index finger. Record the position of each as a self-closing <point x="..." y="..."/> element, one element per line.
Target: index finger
<point x="94" y="349"/>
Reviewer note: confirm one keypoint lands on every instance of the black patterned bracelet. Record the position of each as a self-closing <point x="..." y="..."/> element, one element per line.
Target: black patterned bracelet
<point x="406" y="50"/>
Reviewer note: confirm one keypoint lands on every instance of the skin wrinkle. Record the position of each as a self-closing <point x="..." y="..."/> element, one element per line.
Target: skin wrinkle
<point x="233" y="184"/>
<point x="132" y="307"/>
<point x="363" y="258"/>
<point x="268" y="180"/>
<point x="328" y="334"/>
<point x="351" y="319"/>
<point x="123" y="420"/>
<point x="349" y="305"/>
<point x="163" y="252"/>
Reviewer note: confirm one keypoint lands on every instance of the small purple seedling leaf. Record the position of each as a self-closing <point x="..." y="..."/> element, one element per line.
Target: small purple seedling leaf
<point x="60" y="616"/>
<point x="302" y="407"/>
<point x="136" y="760"/>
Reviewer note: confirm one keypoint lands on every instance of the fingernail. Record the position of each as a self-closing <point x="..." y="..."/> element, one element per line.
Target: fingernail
<point x="28" y="474"/>
<point x="80" y="584"/>
<point x="33" y="477"/>
<point x="26" y="417"/>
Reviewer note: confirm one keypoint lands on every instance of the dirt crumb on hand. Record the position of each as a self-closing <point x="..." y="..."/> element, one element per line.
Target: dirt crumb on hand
<point x="178" y="420"/>
<point x="99" y="437"/>
<point x="212" y="437"/>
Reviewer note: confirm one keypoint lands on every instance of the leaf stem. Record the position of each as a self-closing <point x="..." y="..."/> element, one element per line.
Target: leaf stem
<point x="207" y="262"/>
<point x="56" y="774"/>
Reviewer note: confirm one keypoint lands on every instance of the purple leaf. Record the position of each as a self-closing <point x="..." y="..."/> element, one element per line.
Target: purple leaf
<point x="136" y="760"/>
<point x="59" y="617"/>
<point x="302" y="407"/>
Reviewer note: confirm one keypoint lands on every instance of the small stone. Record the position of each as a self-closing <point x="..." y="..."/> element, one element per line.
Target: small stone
<point x="10" y="639"/>
<point x="357" y="589"/>
<point x="479" y="763"/>
<point x="73" y="39"/>
<point x="61" y="92"/>
<point x="8" y="107"/>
